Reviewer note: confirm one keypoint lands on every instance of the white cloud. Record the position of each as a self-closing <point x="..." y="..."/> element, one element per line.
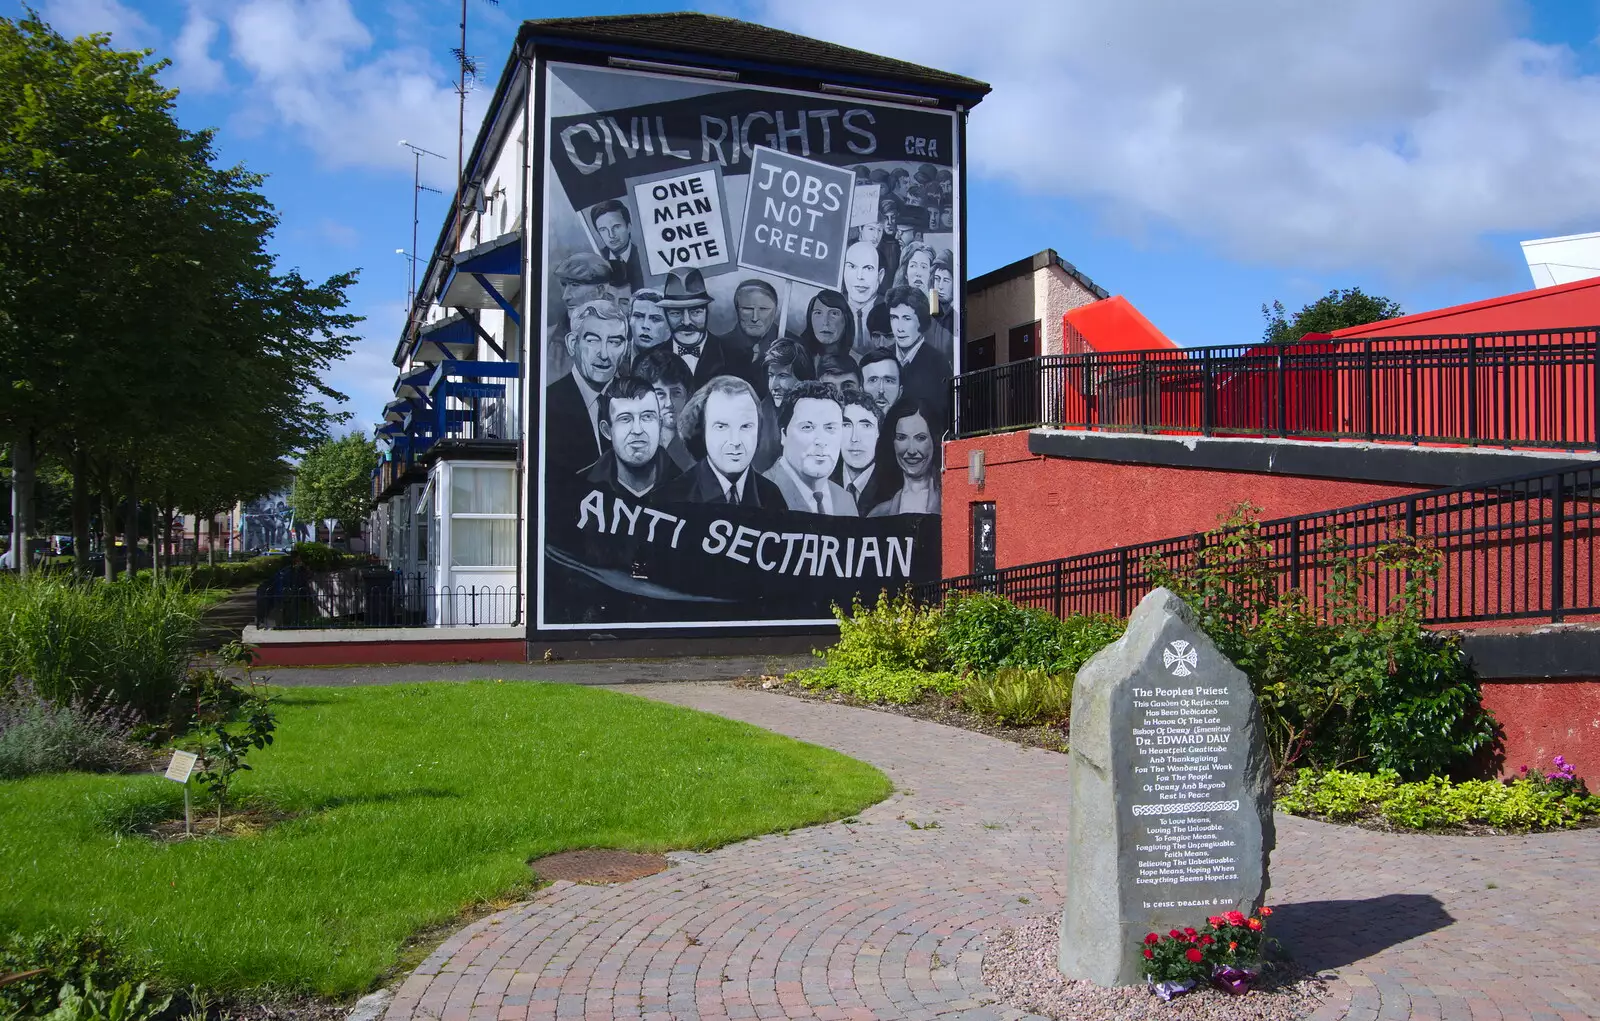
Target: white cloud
<point x="129" y="30"/>
<point x="1307" y="134"/>
<point x="313" y="70"/>
<point x="193" y="66"/>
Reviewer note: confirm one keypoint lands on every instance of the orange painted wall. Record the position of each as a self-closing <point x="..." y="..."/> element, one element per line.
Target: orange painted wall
<point x="1048" y="507"/>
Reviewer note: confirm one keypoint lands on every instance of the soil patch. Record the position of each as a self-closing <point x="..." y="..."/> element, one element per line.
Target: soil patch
<point x="247" y="823"/>
<point x="597" y="865"/>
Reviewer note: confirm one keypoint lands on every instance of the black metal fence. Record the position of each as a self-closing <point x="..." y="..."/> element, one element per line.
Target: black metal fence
<point x="356" y="599"/>
<point x="1522" y="548"/>
<point x="1526" y="389"/>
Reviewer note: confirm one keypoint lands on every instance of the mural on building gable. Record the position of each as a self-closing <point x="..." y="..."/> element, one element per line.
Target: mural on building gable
<point x="749" y="323"/>
<point x="267" y="522"/>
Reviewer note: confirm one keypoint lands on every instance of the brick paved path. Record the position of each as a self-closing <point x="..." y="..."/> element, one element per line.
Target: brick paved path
<point x="877" y="919"/>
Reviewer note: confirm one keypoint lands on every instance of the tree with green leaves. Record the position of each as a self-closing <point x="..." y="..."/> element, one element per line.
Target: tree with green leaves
<point x="334" y="481"/>
<point x="1335" y="310"/>
<point x="148" y="342"/>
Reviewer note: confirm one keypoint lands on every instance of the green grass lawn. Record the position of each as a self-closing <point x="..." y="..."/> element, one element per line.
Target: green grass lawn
<point x="414" y="801"/>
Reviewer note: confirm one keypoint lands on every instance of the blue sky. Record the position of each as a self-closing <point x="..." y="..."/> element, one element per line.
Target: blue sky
<point x="1200" y="159"/>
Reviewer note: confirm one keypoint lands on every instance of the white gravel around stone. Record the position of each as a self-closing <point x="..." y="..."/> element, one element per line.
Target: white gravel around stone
<point x="1020" y="967"/>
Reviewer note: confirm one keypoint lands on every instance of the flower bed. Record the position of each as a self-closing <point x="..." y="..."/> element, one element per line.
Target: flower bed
<point x="1557" y="799"/>
<point x="1227" y="952"/>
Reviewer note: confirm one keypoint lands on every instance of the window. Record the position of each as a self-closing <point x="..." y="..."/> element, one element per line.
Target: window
<point x="483" y="517"/>
<point x="1024" y="342"/>
<point x="979" y="354"/>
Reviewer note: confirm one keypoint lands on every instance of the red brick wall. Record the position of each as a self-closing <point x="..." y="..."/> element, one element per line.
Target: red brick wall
<point x="491" y="650"/>
<point x="1048" y="507"/>
<point x="1543" y="719"/>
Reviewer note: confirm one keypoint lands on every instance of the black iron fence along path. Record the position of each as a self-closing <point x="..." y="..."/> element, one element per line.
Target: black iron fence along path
<point x="1522" y="548"/>
<point x="1527" y="389"/>
<point x="380" y="600"/>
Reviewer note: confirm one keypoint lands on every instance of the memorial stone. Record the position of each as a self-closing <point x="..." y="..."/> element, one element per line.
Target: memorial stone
<point x="1170" y="811"/>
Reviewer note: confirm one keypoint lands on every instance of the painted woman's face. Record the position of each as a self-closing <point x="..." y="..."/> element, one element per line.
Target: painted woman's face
<point x="919" y="271"/>
<point x="827" y="324"/>
<point x="913" y="447"/>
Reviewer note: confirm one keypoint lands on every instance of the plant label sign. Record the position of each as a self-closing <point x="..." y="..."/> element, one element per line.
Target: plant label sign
<point x="181" y="766"/>
<point x="796" y="218"/>
<point x="683" y="218"/>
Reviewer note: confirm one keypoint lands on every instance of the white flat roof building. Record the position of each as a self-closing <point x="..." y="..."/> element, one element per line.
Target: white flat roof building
<point x="1563" y="260"/>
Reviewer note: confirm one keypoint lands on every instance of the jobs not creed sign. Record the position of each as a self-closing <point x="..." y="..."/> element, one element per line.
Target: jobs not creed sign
<point x="796" y="218"/>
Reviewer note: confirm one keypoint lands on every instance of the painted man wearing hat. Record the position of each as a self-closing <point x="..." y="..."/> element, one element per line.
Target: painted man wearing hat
<point x="688" y="307"/>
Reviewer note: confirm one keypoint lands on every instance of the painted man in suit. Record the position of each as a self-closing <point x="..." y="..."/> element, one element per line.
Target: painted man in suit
<point x="630" y="422"/>
<point x="811" y="426"/>
<point x="858" y="473"/>
<point x="596" y="346"/>
<point x="863" y="275"/>
<point x="688" y="306"/>
<point x="723" y="420"/>
<point x="614" y="224"/>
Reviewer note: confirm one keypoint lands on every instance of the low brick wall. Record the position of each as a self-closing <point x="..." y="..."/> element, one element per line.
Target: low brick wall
<point x="1542" y="682"/>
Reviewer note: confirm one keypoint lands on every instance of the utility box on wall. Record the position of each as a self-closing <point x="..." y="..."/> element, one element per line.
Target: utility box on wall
<point x="744" y="309"/>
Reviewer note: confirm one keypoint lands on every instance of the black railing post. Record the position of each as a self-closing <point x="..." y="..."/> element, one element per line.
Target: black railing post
<point x="1416" y="399"/>
<point x="1371" y="409"/>
<point x="1208" y="397"/>
<point x="1144" y="392"/>
<point x="1594" y="394"/>
<point x="1122" y="583"/>
<point x="1283" y="398"/>
<point x="1558" y="557"/>
<point x="1294" y="554"/>
<point x="1505" y="396"/>
<point x="1057" y="582"/>
<point x="1472" y="389"/>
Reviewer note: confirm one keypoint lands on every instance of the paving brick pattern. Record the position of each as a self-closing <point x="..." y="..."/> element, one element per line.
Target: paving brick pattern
<point x="878" y="919"/>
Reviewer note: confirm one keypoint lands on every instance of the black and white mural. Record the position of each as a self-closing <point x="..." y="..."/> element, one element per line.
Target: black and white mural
<point x="749" y="320"/>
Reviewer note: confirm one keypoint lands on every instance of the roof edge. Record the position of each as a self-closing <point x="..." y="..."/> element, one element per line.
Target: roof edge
<point x="1472" y="306"/>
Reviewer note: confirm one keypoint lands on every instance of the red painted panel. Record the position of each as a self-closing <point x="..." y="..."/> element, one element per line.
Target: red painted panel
<point x="1543" y="719"/>
<point x="1053" y="507"/>
<point x="490" y="650"/>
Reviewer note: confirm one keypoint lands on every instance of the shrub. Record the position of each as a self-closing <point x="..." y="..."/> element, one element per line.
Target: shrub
<point x="1019" y="696"/>
<point x="1338" y="684"/>
<point x="83" y="958"/>
<point x="895" y="634"/>
<point x="41" y="736"/>
<point x="889" y="685"/>
<point x="1529" y="802"/>
<point x="987" y="632"/>
<point x="316" y="556"/>
<point x="229" y="575"/>
<point x="127" y="641"/>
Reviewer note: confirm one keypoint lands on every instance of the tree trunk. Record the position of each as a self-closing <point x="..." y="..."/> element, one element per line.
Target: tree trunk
<point x="194" y="554"/>
<point x="211" y="539"/>
<point x="130" y="537"/>
<point x="108" y="530"/>
<point x="22" y="480"/>
<point x="80" y="513"/>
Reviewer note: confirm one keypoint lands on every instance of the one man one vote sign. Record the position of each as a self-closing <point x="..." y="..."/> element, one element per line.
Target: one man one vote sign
<point x="685" y="218"/>
<point x="796" y="218"/>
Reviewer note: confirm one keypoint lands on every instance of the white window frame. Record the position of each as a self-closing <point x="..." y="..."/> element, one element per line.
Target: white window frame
<point x="449" y="516"/>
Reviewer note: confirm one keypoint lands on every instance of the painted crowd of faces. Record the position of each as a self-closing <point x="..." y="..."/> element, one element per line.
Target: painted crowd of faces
<point x="884" y="364"/>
